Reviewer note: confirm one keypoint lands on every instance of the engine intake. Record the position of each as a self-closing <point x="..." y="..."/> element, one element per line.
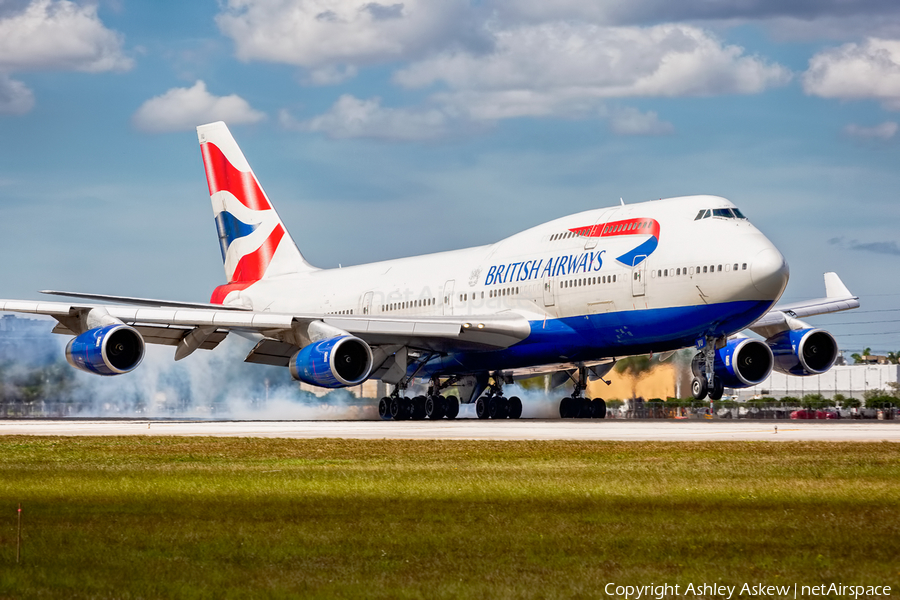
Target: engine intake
<point x="109" y="350"/>
<point x="803" y="351"/>
<point x="333" y="363"/>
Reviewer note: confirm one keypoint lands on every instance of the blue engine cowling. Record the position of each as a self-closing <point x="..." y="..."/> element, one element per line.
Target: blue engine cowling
<point x="740" y="363"/>
<point x="109" y="350"/>
<point x="803" y="351"/>
<point x="333" y="363"/>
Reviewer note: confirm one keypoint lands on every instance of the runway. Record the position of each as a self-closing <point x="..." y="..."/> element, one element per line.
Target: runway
<point x="469" y="429"/>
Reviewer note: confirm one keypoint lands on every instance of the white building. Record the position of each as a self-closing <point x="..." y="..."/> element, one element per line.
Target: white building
<point x="850" y="380"/>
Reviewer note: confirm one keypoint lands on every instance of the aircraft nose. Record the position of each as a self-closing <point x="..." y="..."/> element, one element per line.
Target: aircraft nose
<point x="769" y="272"/>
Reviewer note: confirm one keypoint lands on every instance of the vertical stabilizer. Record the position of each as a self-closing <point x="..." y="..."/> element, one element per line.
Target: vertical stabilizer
<point x="255" y="243"/>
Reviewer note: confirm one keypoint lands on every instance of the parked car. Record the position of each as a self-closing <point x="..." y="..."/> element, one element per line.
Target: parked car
<point x="806" y="413"/>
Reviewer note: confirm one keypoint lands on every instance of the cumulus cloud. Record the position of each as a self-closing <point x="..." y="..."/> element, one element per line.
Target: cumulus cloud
<point x="351" y="117"/>
<point x="565" y="68"/>
<point x="59" y="35"/>
<point x="870" y="70"/>
<point x="890" y="248"/>
<point x="631" y="121"/>
<point x="883" y="131"/>
<point x="322" y="33"/>
<point x="15" y="97"/>
<point x="182" y="109"/>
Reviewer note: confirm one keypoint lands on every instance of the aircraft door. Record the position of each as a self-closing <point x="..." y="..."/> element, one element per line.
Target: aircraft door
<point x="447" y="304"/>
<point x="549" y="293"/>
<point x="638" y="274"/>
<point x="366" y="307"/>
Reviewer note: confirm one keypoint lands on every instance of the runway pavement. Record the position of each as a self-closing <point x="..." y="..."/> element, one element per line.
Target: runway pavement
<point x="468" y="429"/>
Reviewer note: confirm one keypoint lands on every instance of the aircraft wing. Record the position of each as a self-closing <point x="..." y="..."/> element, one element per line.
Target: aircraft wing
<point x="200" y="326"/>
<point x="786" y="316"/>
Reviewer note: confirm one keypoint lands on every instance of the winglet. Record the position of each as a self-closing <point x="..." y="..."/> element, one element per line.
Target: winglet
<point x="835" y="288"/>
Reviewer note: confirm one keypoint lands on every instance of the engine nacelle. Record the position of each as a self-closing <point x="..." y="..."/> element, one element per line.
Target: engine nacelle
<point x="109" y="350"/>
<point x="333" y="363"/>
<point x="803" y="351"/>
<point x="740" y="363"/>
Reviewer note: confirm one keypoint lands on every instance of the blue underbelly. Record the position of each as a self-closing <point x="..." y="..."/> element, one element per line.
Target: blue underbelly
<point x="597" y="336"/>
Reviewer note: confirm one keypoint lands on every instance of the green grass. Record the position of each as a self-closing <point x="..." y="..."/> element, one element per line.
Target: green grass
<point x="147" y="517"/>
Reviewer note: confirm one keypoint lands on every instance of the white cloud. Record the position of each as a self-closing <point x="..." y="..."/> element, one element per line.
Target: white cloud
<point x="182" y="109"/>
<point x="883" y="131"/>
<point x="320" y="33"/>
<point x="565" y="68"/>
<point x="59" y="35"/>
<point x="15" y="97"/>
<point x="631" y="121"/>
<point x="351" y="117"/>
<point x="870" y="70"/>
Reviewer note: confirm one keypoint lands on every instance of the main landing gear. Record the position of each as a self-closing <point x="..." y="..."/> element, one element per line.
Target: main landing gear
<point x="494" y="406"/>
<point x="705" y="383"/>
<point x="432" y="405"/>
<point x="579" y="407"/>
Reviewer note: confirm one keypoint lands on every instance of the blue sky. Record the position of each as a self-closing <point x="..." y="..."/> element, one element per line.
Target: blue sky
<point x="388" y="129"/>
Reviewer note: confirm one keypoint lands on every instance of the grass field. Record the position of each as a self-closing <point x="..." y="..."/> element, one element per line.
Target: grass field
<point x="236" y="518"/>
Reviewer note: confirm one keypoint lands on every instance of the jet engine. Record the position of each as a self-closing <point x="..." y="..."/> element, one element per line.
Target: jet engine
<point x="333" y="362"/>
<point x="109" y="350"/>
<point x="740" y="363"/>
<point x="803" y="351"/>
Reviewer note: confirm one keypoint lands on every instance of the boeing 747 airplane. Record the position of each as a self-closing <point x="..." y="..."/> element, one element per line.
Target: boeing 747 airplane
<point x="567" y="297"/>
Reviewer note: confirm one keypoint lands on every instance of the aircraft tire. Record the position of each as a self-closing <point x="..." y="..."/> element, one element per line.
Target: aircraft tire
<point x="481" y="408"/>
<point x="397" y="409"/>
<point x="417" y="408"/>
<point x="699" y="388"/>
<point x="452" y="407"/>
<point x="598" y="408"/>
<point x="497" y="407"/>
<point x="565" y="408"/>
<point x="384" y="408"/>
<point x="718" y="389"/>
<point x="515" y="407"/>
<point x="583" y="408"/>
<point x="435" y="407"/>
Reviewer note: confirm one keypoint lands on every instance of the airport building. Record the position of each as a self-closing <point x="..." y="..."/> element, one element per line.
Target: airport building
<point x="853" y="381"/>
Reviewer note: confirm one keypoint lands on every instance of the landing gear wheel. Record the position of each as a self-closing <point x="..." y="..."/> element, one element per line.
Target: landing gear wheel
<point x="699" y="388"/>
<point x="598" y="408"/>
<point x="384" y="408"/>
<point x="515" y="407"/>
<point x="418" y="408"/>
<point x="452" y="407"/>
<point x="566" y="408"/>
<point x="398" y="412"/>
<point x="481" y="408"/>
<point x="498" y="407"/>
<point x="584" y="408"/>
<point x="435" y="407"/>
<point x="718" y="389"/>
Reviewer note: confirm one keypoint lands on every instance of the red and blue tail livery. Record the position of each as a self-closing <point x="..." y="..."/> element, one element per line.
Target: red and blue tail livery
<point x="252" y="238"/>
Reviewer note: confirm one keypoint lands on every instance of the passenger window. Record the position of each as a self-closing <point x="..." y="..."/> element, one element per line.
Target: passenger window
<point x="678" y="272"/>
<point x="744" y="267"/>
<point x="735" y="266"/>
<point x="720" y="268"/>
<point x="704" y="269"/>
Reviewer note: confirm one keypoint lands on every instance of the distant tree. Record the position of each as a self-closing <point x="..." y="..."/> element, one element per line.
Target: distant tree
<point x="858" y="358"/>
<point x="893" y="357"/>
<point x="878" y="398"/>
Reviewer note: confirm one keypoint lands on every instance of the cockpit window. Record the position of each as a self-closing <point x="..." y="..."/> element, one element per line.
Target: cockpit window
<point x="700" y="215"/>
<point x="738" y="213"/>
<point x="725" y="213"/>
